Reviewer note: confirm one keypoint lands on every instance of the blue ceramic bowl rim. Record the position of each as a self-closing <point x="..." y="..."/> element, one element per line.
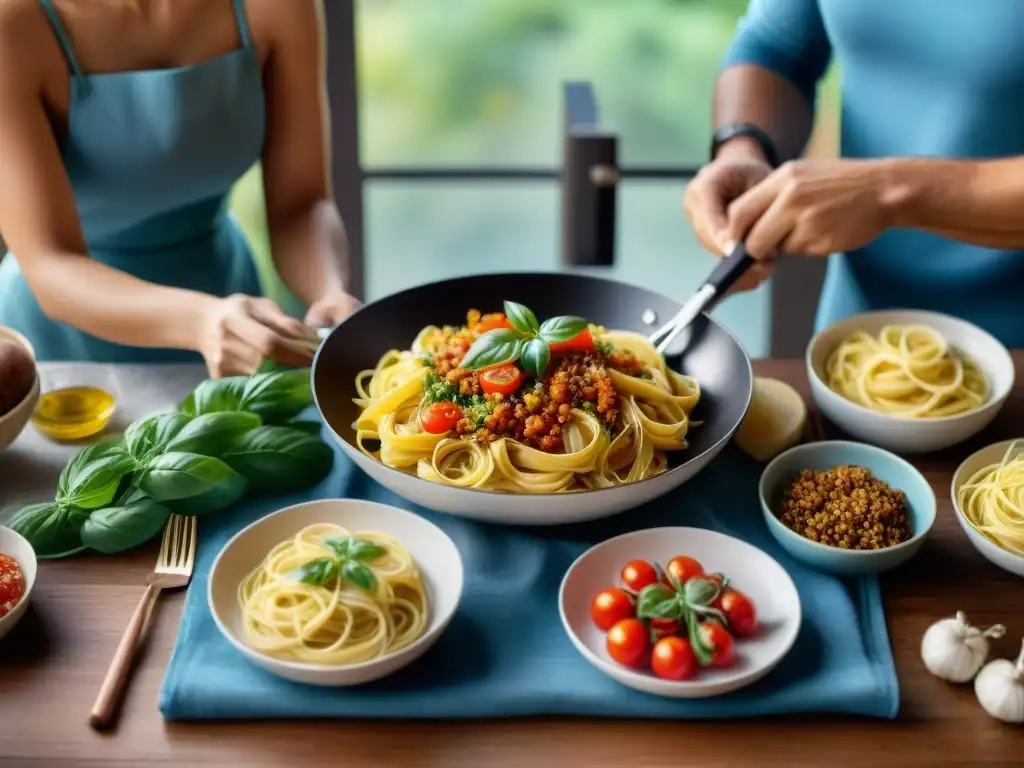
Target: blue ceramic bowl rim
<point x="881" y="453"/>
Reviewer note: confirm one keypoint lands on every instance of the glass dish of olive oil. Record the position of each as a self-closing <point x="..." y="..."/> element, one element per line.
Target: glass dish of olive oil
<point x="77" y="402"/>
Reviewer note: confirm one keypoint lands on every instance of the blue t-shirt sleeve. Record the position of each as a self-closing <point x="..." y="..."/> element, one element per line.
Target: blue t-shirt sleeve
<point x="787" y="37"/>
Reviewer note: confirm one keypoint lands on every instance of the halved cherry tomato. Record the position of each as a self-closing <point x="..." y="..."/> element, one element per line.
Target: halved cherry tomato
<point x="664" y="627"/>
<point x="638" y="574"/>
<point x="611" y="606"/>
<point x="718" y="637"/>
<point x="683" y="568"/>
<point x="501" y="379"/>
<point x="739" y="612"/>
<point x="491" y="321"/>
<point x="440" y="417"/>
<point x="673" y="659"/>
<point x="628" y="642"/>
<point x="581" y="342"/>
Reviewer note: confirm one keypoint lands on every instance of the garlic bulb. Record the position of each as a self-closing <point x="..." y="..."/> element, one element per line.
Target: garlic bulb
<point x="954" y="650"/>
<point x="1000" y="689"/>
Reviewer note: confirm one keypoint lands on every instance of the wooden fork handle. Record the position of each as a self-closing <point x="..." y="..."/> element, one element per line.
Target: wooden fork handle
<point x="114" y="684"/>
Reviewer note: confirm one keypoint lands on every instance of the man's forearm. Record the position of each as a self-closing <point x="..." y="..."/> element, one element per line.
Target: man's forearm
<point x="978" y="202"/>
<point x="751" y="94"/>
<point x="310" y="251"/>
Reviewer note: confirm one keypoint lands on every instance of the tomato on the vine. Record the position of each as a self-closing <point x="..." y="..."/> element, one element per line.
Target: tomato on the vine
<point x="720" y="641"/>
<point x="628" y="642"/>
<point x="683" y="568"/>
<point x="664" y="627"/>
<point x="739" y="612"/>
<point x="611" y="606"/>
<point x="637" y="574"/>
<point x="673" y="659"/>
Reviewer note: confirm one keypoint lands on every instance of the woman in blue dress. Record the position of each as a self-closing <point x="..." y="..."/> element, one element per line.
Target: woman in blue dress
<point x="123" y="126"/>
<point x="925" y="208"/>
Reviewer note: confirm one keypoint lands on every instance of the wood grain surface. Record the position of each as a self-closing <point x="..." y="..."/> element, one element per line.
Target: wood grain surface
<point x="52" y="664"/>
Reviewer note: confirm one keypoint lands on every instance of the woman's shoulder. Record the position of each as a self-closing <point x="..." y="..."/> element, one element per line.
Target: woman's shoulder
<point x="27" y="40"/>
<point x="274" y="20"/>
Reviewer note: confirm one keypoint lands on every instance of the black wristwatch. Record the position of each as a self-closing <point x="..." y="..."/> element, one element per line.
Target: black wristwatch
<point x="751" y="131"/>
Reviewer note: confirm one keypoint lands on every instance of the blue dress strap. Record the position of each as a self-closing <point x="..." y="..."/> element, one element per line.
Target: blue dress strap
<point x="62" y="37"/>
<point x="243" y="24"/>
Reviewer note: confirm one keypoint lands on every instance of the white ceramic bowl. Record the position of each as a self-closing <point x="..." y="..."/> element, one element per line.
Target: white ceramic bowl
<point x="917" y="435"/>
<point x="749" y="569"/>
<point x="15" y="545"/>
<point x="435" y="554"/>
<point x="978" y="460"/>
<point x="13" y="422"/>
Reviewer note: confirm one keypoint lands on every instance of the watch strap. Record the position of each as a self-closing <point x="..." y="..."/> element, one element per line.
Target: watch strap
<point x="749" y="130"/>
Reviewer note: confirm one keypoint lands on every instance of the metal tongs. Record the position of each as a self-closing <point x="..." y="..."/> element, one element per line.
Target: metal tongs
<point x="727" y="272"/>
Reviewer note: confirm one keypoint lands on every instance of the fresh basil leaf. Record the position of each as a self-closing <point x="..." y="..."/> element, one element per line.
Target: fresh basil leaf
<point x="130" y="495"/>
<point x="365" y="550"/>
<point x="701" y="649"/>
<point x="278" y="396"/>
<point x="670" y="609"/>
<point x="212" y="433"/>
<point x="52" y="529"/>
<point x="359" y="574"/>
<point x="319" y="571"/>
<point x="280" y="459"/>
<point x="699" y="592"/>
<point x="305" y="425"/>
<point x="194" y="484"/>
<point x="337" y="545"/>
<point x="116" y="529"/>
<point x="83" y="458"/>
<point x="502" y="345"/>
<point x="96" y="483"/>
<point x="557" y="329"/>
<point x="536" y="356"/>
<point x="145" y="438"/>
<point x="521" y="318"/>
<point x="215" y="395"/>
<point x="650" y="598"/>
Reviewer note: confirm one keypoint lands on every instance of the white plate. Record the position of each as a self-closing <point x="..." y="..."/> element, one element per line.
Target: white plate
<point x="15" y="545"/>
<point x="749" y="569"/>
<point x="434" y="553"/>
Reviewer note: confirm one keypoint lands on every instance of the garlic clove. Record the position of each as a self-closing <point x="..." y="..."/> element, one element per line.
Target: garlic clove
<point x="999" y="687"/>
<point x="953" y="650"/>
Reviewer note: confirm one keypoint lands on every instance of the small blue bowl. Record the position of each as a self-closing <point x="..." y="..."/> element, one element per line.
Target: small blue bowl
<point x="887" y="467"/>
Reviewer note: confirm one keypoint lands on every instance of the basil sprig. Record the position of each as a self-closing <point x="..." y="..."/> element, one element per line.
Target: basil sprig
<point x="345" y="564"/>
<point x="527" y="340"/>
<point x="690" y="603"/>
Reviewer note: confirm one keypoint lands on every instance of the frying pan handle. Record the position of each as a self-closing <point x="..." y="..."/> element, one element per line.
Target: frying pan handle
<point x="730" y="269"/>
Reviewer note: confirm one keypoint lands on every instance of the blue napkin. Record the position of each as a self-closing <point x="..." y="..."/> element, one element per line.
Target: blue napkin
<point x="505" y="654"/>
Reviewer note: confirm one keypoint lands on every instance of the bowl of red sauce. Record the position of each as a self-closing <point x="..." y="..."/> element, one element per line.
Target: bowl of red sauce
<point x="17" y="577"/>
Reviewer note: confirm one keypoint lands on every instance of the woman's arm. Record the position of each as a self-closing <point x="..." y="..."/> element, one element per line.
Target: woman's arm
<point x="306" y="232"/>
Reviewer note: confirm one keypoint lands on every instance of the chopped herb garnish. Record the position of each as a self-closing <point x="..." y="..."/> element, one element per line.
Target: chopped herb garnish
<point x="427" y="359"/>
<point x="604" y="347"/>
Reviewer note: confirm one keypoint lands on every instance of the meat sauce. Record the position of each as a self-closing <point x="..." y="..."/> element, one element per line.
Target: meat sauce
<point x="537" y="413"/>
<point x="12" y="584"/>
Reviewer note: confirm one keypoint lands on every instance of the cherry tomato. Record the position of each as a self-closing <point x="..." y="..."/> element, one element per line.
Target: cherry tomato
<point x="440" y="418"/>
<point x="673" y="659"/>
<point x="611" y="606"/>
<point x="684" y="568"/>
<point x="718" y="637"/>
<point x="491" y="321"/>
<point x="501" y="379"/>
<point x="628" y="642"/>
<point x="581" y="342"/>
<point x="739" y="612"/>
<point x="638" y="574"/>
<point x="664" y="627"/>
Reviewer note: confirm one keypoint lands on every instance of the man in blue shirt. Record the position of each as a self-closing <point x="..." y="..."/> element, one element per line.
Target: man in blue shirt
<point x="925" y="208"/>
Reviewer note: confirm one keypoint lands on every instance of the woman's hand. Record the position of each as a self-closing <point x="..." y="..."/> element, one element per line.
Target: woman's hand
<point x="239" y="331"/>
<point x="813" y="208"/>
<point x="331" y="309"/>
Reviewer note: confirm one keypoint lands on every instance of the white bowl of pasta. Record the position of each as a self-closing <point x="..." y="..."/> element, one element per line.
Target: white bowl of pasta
<point x="988" y="497"/>
<point x="370" y="587"/>
<point x="909" y="381"/>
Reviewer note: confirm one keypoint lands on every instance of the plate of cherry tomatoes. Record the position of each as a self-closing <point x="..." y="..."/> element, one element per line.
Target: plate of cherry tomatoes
<point x="680" y="612"/>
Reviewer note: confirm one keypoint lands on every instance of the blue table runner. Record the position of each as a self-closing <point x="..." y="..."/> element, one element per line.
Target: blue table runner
<point x="505" y="653"/>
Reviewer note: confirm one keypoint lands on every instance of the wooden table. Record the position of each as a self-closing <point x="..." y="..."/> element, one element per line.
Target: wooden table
<point x="52" y="664"/>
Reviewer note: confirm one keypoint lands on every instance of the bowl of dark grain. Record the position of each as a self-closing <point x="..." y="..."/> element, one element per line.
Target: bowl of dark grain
<point x="846" y="508"/>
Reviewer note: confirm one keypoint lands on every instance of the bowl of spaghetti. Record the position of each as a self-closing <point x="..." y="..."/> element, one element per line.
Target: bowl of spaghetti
<point x="909" y="381"/>
<point x="988" y="497"/>
<point x="336" y="592"/>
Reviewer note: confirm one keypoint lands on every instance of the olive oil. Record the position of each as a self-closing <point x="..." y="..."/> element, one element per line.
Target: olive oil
<point x="73" y="413"/>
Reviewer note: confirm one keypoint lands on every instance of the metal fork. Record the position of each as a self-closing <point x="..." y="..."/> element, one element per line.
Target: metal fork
<point x="173" y="570"/>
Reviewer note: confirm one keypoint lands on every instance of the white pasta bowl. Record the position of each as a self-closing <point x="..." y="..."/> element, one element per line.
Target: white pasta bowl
<point x="992" y="454"/>
<point x="911" y="435"/>
<point x="16" y="546"/>
<point x="434" y="553"/>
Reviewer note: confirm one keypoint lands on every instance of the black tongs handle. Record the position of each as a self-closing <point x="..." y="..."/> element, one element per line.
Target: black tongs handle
<point x="730" y="269"/>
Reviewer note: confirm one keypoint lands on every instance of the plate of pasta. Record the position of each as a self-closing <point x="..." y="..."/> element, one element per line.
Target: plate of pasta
<point x="909" y="380"/>
<point x="537" y="399"/>
<point x="336" y="592"/>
